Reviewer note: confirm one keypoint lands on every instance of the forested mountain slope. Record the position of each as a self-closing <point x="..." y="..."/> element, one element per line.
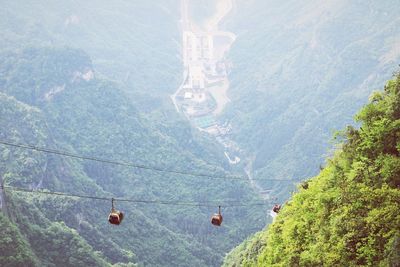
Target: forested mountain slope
<point x="300" y="69"/>
<point x="94" y="80"/>
<point x="51" y="98"/>
<point x="349" y="214"/>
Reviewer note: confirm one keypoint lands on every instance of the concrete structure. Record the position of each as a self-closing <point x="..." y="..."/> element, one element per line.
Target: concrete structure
<point x="188" y="95"/>
<point x="196" y="77"/>
<point x="197" y="47"/>
<point x="202" y="94"/>
<point x="197" y="51"/>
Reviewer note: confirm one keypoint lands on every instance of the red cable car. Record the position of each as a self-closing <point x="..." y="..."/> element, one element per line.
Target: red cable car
<point x="276" y="208"/>
<point x="115" y="216"/>
<point x="216" y="219"/>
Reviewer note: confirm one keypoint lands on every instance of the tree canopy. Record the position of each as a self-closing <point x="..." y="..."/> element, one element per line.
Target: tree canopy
<point x="349" y="214"/>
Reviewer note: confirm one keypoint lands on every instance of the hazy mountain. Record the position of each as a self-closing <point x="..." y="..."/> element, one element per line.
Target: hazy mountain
<point x="96" y="79"/>
<point x="301" y="69"/>
<point x="61" y="68"/>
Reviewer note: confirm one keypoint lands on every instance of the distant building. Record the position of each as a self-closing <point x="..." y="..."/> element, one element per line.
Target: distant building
<point x="197" y="50"/>
<point x="196" y="78"/>
<point x="189" y="47"/>
<point x="188" y="95"/>
<point x="197" y="47"/>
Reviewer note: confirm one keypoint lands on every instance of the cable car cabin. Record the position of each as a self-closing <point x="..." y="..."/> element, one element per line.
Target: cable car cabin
<point x="115" y="217"/>
<point x="216" y="219"/>
<point x="276" y="208"/>
<point x="305" y="185"/>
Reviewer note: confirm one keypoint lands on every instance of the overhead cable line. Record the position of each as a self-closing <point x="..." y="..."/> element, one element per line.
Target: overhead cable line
<point x="137" y="201"/>
<point x="134" y="165"/>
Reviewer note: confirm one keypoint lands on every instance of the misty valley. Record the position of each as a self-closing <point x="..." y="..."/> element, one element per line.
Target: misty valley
<point x="199" y="133"/>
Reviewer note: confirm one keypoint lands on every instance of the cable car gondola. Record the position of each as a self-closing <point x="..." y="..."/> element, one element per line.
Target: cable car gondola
<point x="115" y="216"/>
<point x="304" y="185"/>
<point x="216" y="219"/>
<point x="276" y="208"/>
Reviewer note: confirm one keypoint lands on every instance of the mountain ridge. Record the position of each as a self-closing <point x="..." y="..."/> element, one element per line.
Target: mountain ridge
<point x="348" y="214"/>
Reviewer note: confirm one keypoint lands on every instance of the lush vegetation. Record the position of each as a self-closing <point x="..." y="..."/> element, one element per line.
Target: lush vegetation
<point x="95" y="80"/>
<point x="349" y="214"/>
<point x="48" y="101"/>
<point x="14" y="251"/>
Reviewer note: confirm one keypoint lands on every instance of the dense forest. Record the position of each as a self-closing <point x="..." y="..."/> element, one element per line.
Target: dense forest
<point x="61" y="88"/>
<point x="47" y="101"/>
<point x="348" y="215"/>
<point x="95" y="79"/>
